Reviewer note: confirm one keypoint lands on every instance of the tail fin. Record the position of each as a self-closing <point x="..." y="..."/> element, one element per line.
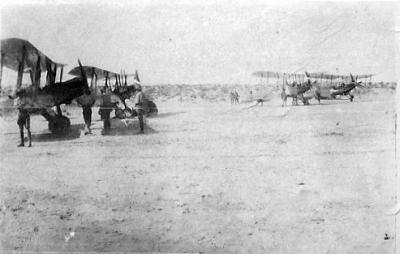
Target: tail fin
<point x="137" y="76"/>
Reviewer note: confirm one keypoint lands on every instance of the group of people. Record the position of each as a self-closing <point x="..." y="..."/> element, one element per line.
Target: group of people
<point x="108" y="102"/>
<point x="295" y="84"/>
<point x="234" y="97"/>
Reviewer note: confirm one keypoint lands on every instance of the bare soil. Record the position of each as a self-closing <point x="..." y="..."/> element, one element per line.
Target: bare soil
<point x="207" y="177"/>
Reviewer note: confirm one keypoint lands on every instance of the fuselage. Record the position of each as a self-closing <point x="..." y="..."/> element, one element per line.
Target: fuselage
<point x="293" y="90"/>
<point x="344" y="90"/>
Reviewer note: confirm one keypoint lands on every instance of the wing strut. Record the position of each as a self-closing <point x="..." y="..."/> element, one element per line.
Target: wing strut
<point x="61" y="73"/>
<point x="1" y="68"/>
<point x="21" y="69"/>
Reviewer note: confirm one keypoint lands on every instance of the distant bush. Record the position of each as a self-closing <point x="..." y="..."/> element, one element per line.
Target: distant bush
<point x="221" y="92"/>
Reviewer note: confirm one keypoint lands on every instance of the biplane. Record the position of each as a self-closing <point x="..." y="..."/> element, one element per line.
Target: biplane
<point x="24" y="58"/>
<point x="338" y="85"/>
<point x="294" y="85"/>
<point x="119" y="89"/>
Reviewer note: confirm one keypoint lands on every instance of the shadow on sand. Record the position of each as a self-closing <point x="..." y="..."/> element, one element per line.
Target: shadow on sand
<point x="73" y="133"/>
<point x="167" y="114"/>
<point x="131" y="128"/>
<point x="324" y="103"/>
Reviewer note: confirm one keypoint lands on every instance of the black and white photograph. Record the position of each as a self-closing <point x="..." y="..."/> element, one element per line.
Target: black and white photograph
<point x="213" y="126"/>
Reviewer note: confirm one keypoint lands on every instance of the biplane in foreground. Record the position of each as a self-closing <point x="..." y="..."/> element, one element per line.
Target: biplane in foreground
<point x="21" y="56"/>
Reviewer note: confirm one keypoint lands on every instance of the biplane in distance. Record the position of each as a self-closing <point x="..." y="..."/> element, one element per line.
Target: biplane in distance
<point x="294" y="85"/>
<point x="336" y="85"/>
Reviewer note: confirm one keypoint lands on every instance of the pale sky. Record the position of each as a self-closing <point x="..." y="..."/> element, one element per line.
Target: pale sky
<point x="218" y="42"/>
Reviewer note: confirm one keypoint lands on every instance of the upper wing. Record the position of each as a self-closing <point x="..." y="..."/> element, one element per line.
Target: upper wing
<point x="100" y="73"/>
<point x="90" y="70"/>
<point x="323" y="75"/>
<point x="273" y="74"/>
<point x="365" y="76"/>
<point x="269" y="74"/>
<point x="12" y="52"/>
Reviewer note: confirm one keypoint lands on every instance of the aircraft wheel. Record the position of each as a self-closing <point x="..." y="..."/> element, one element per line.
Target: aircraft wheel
<point x="119" y="113"/>
<point x="59" y="124"/>
<point x="153" y="111"/>
<point x="351" y="98"/>
<point x="128" y="111"/>
<point x="152" y="107"/>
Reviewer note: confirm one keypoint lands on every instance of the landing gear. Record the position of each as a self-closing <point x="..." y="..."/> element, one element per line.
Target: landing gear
<point x="317" y="96"/>
<point x="59" y="124"/>
<point x="351" y="97"/>
<point x="294" y="101"/>
<point x="303" y="99"/>
<point x="119" y="113"/>
<point x="153" y="110"/>
<point x="123" y="113"/>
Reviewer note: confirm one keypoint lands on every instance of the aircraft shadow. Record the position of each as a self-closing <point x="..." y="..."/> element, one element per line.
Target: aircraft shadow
<point x="127" y="130"/>
<point x="73" y="133"/>
<point x="332" y="102"/>
<point x="167" y="114"/>
<point x="323" y="103"/>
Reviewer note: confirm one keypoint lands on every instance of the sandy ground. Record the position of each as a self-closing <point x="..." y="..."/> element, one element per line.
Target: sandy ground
<point x="207" y="177"/>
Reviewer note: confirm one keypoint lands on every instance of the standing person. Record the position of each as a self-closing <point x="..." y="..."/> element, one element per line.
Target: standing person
<point x="251" y="98"/>
<point x="140" y="105"/>
<point x="23" y="103"/>
<point x="237" y="97"/>
<point x="24" y="120"/>
<point x="232" y="97"/>
<point x="87" y="101"/>
<point x="106" y="106"/>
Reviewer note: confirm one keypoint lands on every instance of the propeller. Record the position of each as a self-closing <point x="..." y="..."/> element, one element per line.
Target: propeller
<point x="81" y="69"/>
<point x="359" y="84"/>
<point x="309" y="79"/>
<point x="313" y="83"/>
<point x="83" y="74"/>
<point x="355" y="82"/>
<point x="352" y="78"/>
